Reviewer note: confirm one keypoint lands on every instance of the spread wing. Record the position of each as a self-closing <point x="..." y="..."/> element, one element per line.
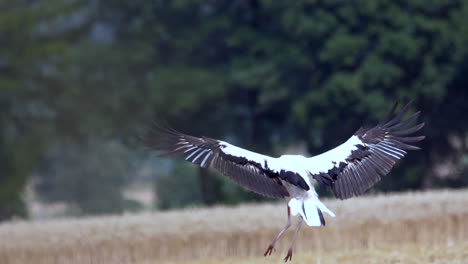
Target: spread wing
<point x="355" y="166"/>
<point x="246" y="168"/>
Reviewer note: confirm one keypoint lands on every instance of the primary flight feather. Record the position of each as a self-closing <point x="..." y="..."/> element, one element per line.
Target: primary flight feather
<point x="348" y="170"/>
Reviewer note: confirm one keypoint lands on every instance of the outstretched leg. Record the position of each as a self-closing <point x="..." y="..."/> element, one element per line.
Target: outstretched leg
<point x="272" y="244"/>
<point x="289" y="255"/>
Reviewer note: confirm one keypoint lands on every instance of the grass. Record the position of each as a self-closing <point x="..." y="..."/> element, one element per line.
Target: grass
<point x="399" y="228"/>
<point x="406" y="253"/>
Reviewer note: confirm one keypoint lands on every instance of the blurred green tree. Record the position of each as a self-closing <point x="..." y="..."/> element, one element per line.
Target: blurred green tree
<point x="262" y="74"/>
<point x="300" y="70"/>
<point x="89" y="176"/>
<point x="169" y="192"/>
<point x="62" y="86"/>
<point x="29" y="54"/>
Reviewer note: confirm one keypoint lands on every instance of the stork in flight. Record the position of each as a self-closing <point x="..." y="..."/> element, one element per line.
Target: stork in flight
<point x="348" y="170"/>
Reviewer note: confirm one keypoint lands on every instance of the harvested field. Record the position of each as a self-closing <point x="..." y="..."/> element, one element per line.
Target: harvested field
<point x="398" y="228"/>
<point x="405" y="253"/>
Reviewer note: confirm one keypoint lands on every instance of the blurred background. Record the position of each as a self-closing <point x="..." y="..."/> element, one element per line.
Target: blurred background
<point x="82" y="82"/>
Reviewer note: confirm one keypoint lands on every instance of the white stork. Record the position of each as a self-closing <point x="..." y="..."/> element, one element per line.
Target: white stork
<point x="348" y="170"/>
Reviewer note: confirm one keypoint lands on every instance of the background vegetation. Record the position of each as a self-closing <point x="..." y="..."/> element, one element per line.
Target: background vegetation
<point x="413" y="228"/>
<point x="81" y="82"/>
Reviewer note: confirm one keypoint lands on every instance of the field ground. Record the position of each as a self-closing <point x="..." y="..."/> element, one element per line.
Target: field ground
<point x="406" y="253"/>
<point x="425" y="227"/>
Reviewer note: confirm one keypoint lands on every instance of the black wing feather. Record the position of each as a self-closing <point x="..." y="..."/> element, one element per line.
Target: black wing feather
<point x="208" y="152"/>
<point x="382" y="146"/>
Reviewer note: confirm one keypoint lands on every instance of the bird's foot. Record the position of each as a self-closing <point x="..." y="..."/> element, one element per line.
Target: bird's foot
<point x="269" y="250"/>
<point x="288" y="256"/>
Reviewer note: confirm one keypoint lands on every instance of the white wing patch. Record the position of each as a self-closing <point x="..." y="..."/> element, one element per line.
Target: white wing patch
<point x="240" y="152"/>
<point x="325" y="161"/>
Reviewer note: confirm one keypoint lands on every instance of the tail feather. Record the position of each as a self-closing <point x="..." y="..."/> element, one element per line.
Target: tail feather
<point x="310" y="210"/>
<point x="322" y="220"/>
<point x="325" y="209"/>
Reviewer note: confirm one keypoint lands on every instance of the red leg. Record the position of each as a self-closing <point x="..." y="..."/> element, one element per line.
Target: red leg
<point x="289" y="255"/>
<point x="271" y="247"/>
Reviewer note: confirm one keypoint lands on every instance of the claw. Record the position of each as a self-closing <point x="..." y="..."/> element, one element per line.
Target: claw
<point x="288" y="256"/>
<point x="269" y="250"/>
